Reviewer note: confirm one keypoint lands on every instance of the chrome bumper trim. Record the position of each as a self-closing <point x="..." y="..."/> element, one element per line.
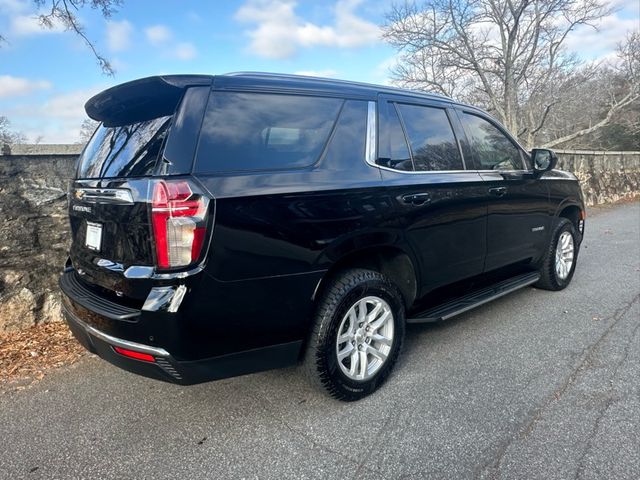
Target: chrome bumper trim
<point x="115" y="341"/>
<point x="118" y="342"/>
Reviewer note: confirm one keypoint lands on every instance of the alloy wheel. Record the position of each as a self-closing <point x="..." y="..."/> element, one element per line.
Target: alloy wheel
<point x="564" y="255"/>
<point x="365" y="337"/>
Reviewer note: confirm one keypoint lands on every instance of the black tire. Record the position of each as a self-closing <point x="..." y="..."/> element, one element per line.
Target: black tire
<point x="321" y="362"/>
<point x="549" y="279"/>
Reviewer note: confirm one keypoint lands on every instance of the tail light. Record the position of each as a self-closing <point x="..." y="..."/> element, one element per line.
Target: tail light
<point x="178" y="217"/>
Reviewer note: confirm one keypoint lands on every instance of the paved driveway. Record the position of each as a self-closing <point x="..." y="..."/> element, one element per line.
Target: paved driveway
<point x="535" y="385"/>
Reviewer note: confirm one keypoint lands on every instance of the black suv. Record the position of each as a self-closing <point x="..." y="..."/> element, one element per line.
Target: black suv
<point x="229" y="224"/>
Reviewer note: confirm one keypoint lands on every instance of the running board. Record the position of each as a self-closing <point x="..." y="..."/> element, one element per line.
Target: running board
<point x="474" y="299"/>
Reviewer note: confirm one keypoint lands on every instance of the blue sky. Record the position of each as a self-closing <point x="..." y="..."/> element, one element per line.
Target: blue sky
<point x="46" y="76"/>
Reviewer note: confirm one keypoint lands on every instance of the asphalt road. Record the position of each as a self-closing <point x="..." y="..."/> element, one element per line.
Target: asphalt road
<point x="535" y="385"/>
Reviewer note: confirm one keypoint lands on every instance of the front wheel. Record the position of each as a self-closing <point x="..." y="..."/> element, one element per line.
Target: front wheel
<point x="559" y="263"/>
<point x="358" y="331"/>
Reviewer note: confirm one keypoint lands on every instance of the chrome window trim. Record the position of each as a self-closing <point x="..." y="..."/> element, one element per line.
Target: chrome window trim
<point x="503" y="171"/>
<point x="428" y="172"/>
<point x="371" y="140"/>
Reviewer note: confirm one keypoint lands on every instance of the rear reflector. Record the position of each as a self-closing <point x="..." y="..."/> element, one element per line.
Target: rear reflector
<point x="145" y="357"/>
<point x="178" y="219"/>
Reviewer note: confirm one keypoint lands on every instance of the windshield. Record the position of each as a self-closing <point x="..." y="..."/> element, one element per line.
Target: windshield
<point x="125" y="151"/>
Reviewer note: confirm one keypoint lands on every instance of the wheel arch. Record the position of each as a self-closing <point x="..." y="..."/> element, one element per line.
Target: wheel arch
<point x="391" y="261"/>
<point x="573" y="211"/>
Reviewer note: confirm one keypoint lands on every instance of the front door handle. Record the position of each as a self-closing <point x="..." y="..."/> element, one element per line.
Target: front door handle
<point x="417" y="198"/>
<point x="498" y="191"/>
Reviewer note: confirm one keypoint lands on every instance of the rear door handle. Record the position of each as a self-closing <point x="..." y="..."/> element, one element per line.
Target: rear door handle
<point x="498" y="191"/>
<point x="417" y="198"/>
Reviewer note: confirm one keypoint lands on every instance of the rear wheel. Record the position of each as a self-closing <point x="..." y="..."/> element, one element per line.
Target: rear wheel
<point x="358" y="331"/>
<point x="560" y="260"/>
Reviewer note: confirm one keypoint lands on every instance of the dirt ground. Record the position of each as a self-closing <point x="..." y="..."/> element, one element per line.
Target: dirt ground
<point x="28" y="355"/>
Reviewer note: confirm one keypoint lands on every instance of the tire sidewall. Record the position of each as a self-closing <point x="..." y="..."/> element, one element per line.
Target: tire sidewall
<point x="349" y="388"/>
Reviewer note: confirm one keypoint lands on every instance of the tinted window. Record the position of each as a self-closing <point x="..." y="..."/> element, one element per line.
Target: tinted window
<point x="398" y="148"/>
<point x="492" y="149"/>
<point x="256" y="131"/>
<point x="126" y="151"/>
<point x="347" y="145"/>
<point x="431" y="137"/>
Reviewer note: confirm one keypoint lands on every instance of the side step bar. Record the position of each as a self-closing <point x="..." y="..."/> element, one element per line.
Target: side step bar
<point x="474" y="299"/>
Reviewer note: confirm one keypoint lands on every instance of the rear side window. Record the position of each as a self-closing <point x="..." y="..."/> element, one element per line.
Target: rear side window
<point x="492" y="149"/>
<point x="258" y="131"/>
<point x="348" y="140"/>
<point x="125" y="151"/>
<point x="431" y="138"/>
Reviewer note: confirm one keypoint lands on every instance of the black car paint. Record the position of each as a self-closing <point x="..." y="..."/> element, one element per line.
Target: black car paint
<point x="275" y="237"/>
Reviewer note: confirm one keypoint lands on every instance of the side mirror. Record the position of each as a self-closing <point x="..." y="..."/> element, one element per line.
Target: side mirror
<point x="543" y="160"/>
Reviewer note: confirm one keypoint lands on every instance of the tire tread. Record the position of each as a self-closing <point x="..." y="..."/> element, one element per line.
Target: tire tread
<point x="313" y="365"/>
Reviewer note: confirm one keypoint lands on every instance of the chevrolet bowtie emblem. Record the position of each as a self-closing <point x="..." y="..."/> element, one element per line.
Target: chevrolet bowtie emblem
<point x="78" y="194"/>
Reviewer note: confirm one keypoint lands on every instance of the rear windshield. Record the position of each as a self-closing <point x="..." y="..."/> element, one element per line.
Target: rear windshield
<point x="125" y="151"/>
<point x="260" y="131"/>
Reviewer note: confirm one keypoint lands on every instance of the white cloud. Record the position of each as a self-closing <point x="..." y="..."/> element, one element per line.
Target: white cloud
<point x="70" y="105"/>
<point x="185" y="51"/>
<point x="610" y="30"/>
<point x="25" y="25"/>
<point x="158" y="34"/>
<point x="382" y="72"/>
<point x="57" y="120"/>
<point x="279" y="32"/>
<point x="119" y="35"/>
<point x="317" y="73"/>
<point x="15" y="86"/>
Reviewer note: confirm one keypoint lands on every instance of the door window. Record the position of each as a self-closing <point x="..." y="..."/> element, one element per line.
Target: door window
<point x="399" y="150"/>
<point x="493" y="150"/>
<point x="431" y="138"/>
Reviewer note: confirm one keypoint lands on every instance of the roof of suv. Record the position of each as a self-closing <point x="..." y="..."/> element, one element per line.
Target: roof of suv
<point x="304" y="82"/>
<point x="158" y="95"/>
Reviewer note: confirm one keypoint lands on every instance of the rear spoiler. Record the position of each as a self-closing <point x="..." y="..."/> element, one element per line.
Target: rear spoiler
<point x="142" y="99"/>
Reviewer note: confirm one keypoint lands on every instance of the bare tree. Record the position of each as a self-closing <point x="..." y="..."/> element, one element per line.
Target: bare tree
<point x="614" y="93"/>
<point x="86" y="130"/>
<point x="501" y="53"/>
<point x="65" y="13"/>
<point x="8" y="136"/>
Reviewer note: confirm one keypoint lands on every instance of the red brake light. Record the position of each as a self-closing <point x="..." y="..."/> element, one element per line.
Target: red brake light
<point x="178" y="218"/>
<point x="145" y="357"/>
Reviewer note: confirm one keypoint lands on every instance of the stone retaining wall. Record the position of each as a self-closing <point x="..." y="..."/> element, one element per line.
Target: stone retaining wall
<point x="605" y="176"/>
<point x="34" y="230"/>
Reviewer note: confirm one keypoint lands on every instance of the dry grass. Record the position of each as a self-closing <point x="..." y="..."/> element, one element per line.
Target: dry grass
<point x="28" y="355"/>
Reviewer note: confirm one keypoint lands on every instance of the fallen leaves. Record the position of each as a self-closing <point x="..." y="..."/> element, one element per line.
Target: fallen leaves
<point x="27" y="355"/>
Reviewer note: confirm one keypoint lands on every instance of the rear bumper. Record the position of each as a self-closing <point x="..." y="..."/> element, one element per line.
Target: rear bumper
<point x="94" y="321"/>
<point x="166" y="368"/>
